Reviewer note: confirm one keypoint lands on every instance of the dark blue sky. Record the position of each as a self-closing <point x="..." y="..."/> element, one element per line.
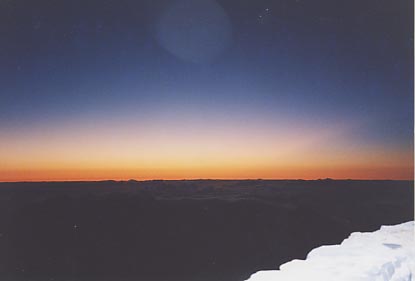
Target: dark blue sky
<point x="345" y="62"/>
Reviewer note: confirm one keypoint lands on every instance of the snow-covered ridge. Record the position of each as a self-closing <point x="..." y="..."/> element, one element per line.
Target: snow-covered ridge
<point x="387" y="254"/>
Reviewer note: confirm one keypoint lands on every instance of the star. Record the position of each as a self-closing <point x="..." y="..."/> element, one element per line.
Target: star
<point x="264" y="15"/>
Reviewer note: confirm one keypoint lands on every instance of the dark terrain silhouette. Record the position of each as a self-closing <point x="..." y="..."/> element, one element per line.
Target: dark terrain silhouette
<point x="182" y="230"/>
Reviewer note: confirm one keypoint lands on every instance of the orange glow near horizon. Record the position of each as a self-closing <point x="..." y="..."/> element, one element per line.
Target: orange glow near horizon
<point x="184" y="151"/>
<point x="307" y="173"/>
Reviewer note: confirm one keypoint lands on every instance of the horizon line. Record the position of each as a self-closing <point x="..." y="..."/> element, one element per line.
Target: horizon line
<point x="204" y="179"/>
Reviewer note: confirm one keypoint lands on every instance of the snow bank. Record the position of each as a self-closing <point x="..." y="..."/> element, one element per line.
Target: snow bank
<point x="384" y="255"/>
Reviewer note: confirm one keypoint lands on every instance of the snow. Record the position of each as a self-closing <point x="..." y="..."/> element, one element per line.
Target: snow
<point x="387" y="254"/>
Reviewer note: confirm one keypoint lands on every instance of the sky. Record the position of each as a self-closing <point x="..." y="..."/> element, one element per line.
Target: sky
<point x="230" y="89"/>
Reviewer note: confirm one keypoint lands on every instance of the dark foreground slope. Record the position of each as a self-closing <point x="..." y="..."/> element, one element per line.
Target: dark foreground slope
<point x="182" y="230"/>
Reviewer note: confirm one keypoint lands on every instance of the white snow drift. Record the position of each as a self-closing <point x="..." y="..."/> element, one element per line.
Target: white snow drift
<point x="384" y="255"/>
